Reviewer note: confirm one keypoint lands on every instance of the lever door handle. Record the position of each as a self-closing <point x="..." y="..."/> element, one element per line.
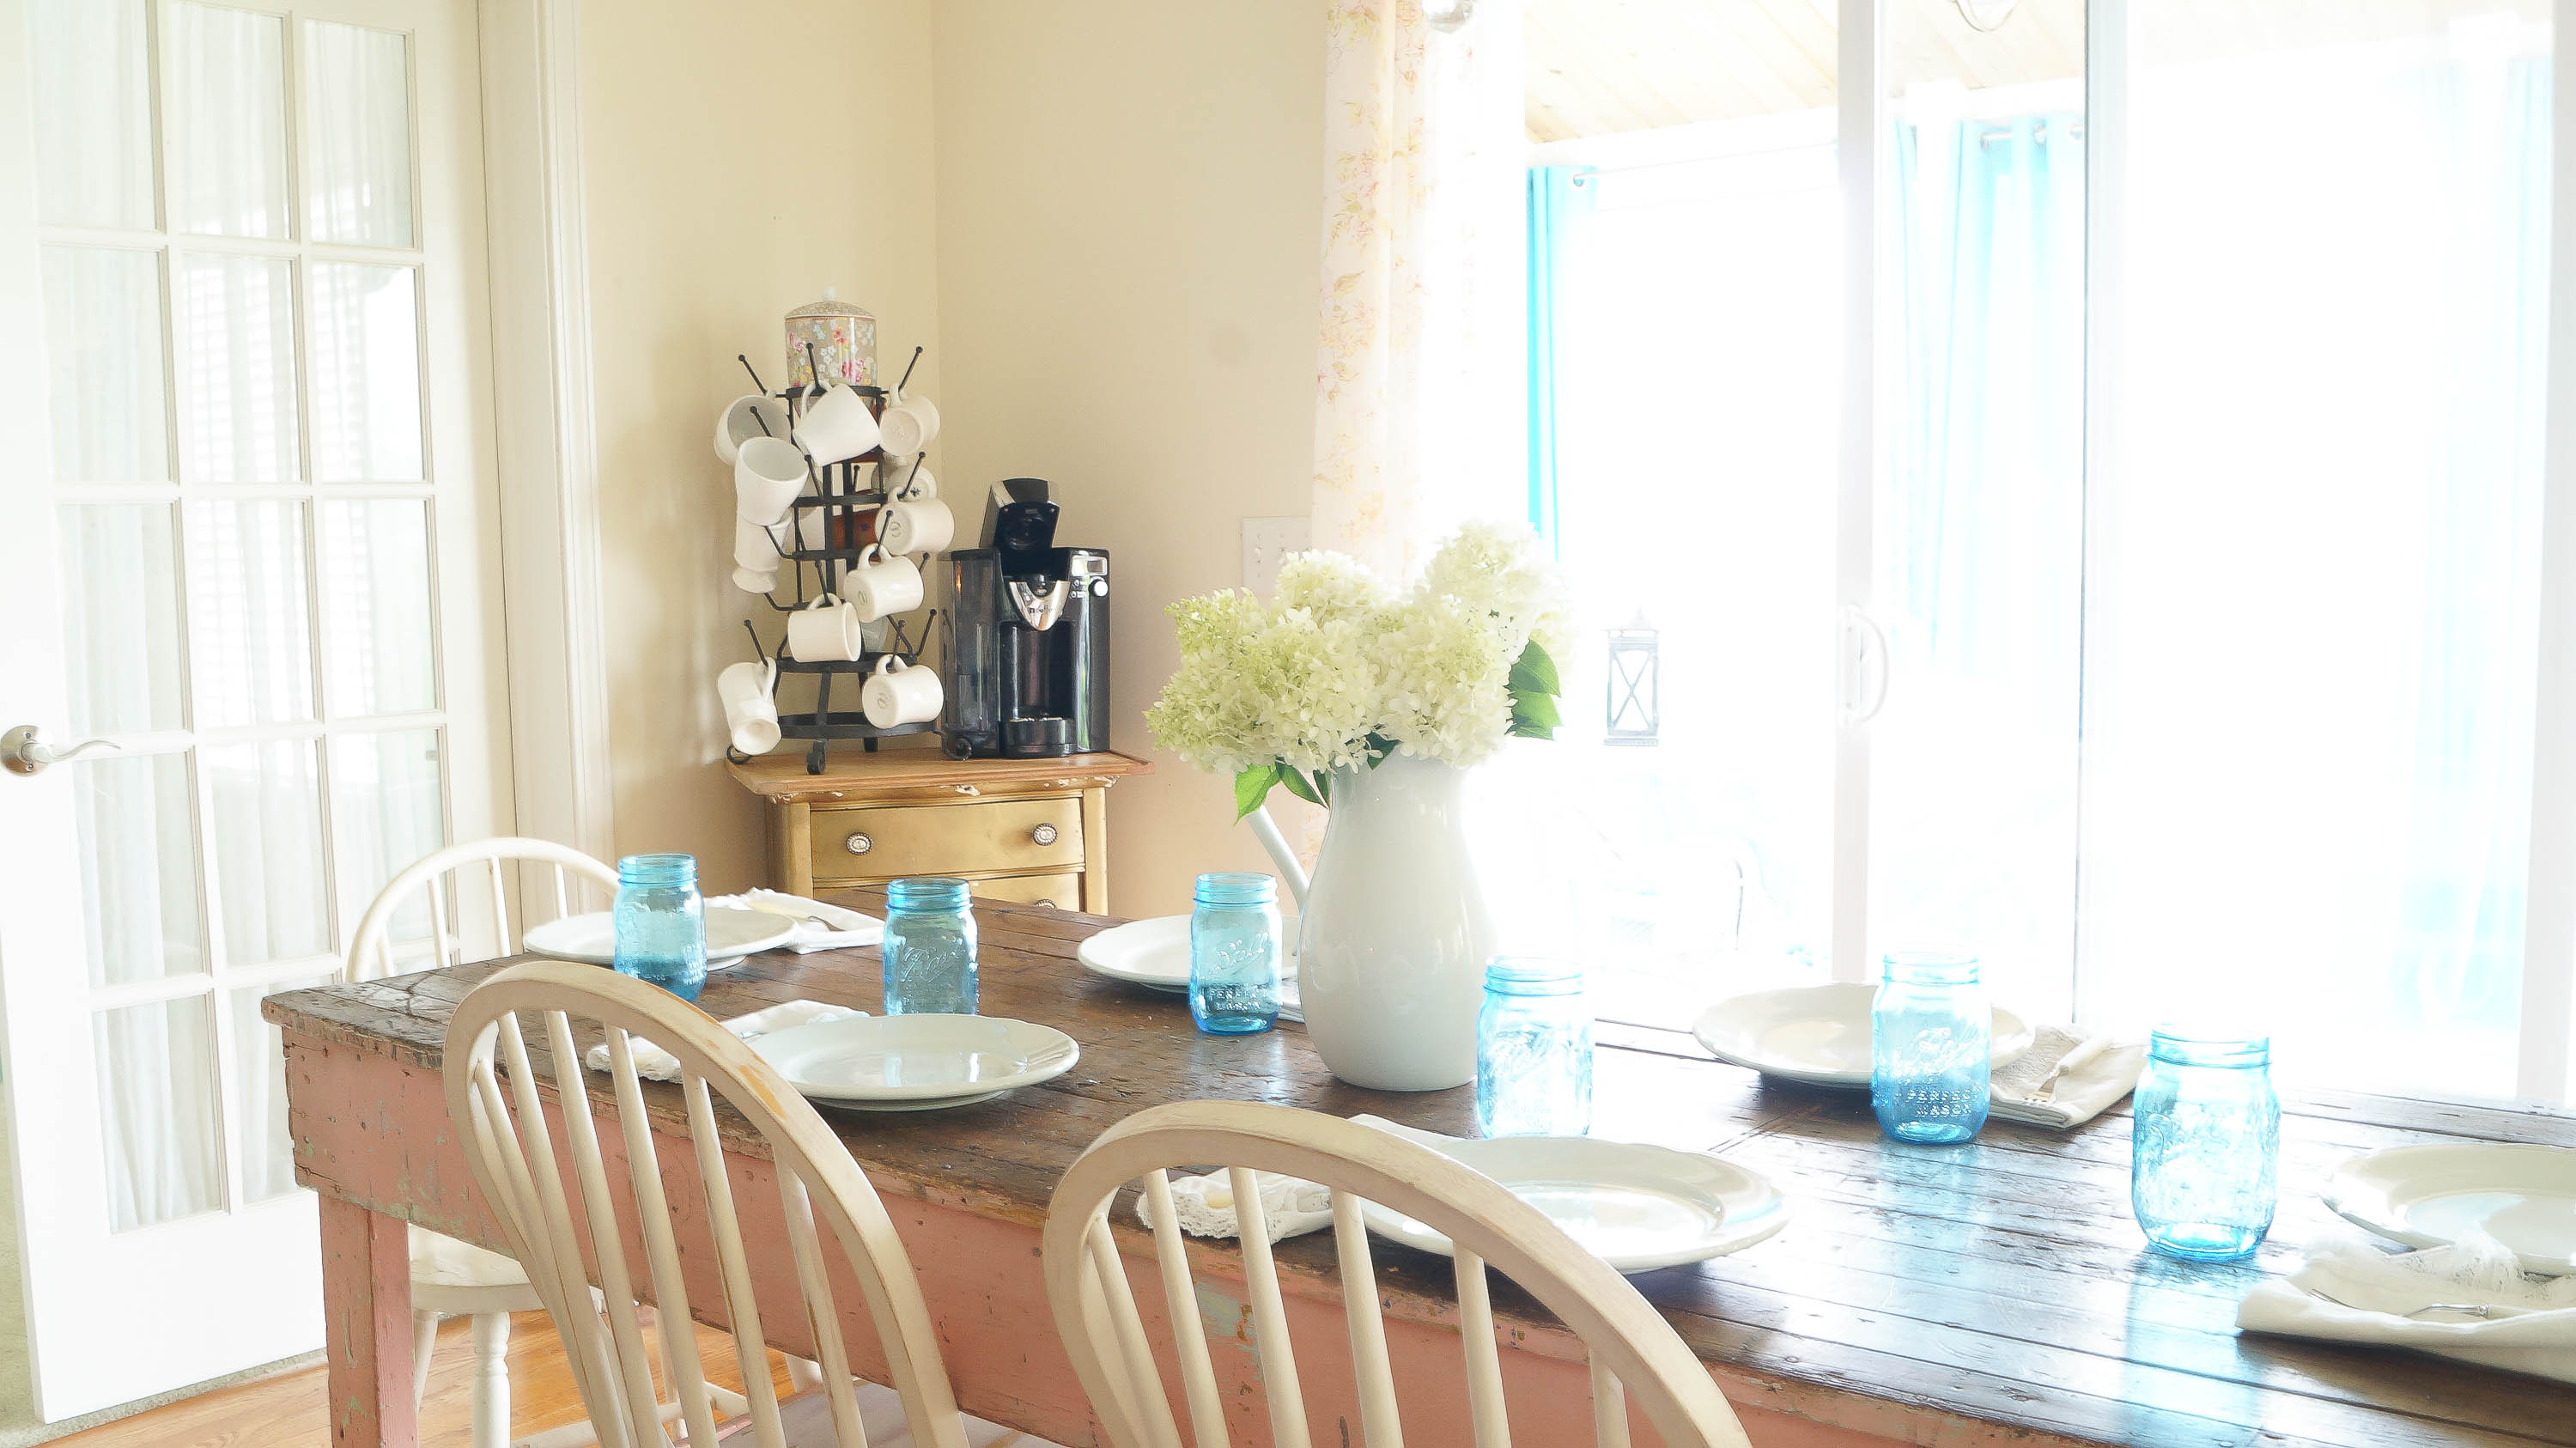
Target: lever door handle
<point x="23" y="751"/>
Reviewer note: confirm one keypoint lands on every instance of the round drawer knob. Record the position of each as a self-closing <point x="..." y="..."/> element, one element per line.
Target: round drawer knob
<point x="858" y="844"/>
<point x="1042" y="835"/>
<point x="1047" y="904"/>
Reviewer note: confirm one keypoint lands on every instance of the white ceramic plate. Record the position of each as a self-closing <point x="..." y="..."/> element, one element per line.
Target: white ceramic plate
<point x="1636" y="1207"/>
<point x="916" y="1062"/>
<point x="1156" y="952"/>
<point x="592" y="939"/>
<point x="2427" y="1196"/>
<point x="1818" y="1034"/>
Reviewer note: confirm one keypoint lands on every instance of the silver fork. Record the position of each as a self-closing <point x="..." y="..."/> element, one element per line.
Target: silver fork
<point x="2487" y="1311"/>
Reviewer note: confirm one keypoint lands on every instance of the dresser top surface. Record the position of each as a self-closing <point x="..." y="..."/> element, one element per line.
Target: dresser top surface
<point x="781" y="778"/>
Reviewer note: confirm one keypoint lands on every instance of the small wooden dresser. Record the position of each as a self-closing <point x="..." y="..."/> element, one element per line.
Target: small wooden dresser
<point x="1029" y="831"/>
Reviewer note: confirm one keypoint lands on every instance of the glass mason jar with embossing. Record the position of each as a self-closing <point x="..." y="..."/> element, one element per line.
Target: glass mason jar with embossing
<point x="1234" y="953"/>
<point x="1931" y="1043"/>
<point x="929" y="948"/>
<point x="2206" y="1144"/>
<point x="1534" y="1050"/>
<point x="660" y="923"/>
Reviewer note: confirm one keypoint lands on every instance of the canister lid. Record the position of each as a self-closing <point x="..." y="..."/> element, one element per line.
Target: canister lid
<point x="830" y="306"/>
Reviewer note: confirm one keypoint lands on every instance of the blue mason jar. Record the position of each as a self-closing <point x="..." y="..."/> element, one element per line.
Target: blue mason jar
<point x="1234" y="953"/>
<point x="1534" y="1050"/>
<point x="1931" y="1048"/>
<point x="661" y="924"/>
<point x="929" y="949"/>
<point x="2206" y="1144"/>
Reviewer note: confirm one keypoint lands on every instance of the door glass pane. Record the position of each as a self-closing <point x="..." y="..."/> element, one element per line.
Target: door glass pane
<point x="156" y="1106"/>
<point x="385" y="814"/>
<point x="120" y="572"/>
<point x="103" y="347"/>
<point x="375" y="607"/>
<point x="247" y="623"/>
<point x="259" y="1073"/>
<point x="366" y="374"/>
<point x="1979" y="534"/>
<point x="138" y="855"/>
<point x="2315" y="605"/>
<point x="225" y="73"/>
<point x="236" y="337"/>
<point x="264" y="849"/>
<point x="1683" y="291"/>
<point x="357" y="135"/>
<point x="93" y="111"/>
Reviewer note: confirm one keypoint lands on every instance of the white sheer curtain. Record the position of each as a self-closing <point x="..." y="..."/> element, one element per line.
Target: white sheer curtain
<point x="1421" y="372"/>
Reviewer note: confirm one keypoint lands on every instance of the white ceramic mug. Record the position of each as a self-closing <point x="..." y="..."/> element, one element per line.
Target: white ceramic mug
<point x="901" y="693"/>
<point x="882" y="583"/>
<point x="763" y="549"/>
<point x="752" y="580"/>
<point x="901" y="479"/>
<point x="827" y="628"/>
<point x="750" y="705"/>
<point x="908" y="424"/>
<point x="768" y="473"/>
<point x="836" y="426"/>
<point x="746" y="417"/>
<point x="916" y="525"/>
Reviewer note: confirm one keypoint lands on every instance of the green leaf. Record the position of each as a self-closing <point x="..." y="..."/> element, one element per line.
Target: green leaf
<point x="1379" y="748"/>
<point x="1298" y="785"/>
<point x="1529" y="729"/>
<point x="1323" y="788"/>
<point x="1252" y="786"/>
<point x="1536" y="709"/>
<point x="1534" y="672"/>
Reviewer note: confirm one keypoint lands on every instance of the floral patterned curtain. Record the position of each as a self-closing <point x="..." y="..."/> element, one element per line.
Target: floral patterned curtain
<point x="1420" y="374"/>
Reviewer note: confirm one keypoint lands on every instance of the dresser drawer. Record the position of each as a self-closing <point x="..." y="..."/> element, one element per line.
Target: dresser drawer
<point x="1064" y="892"/>
<point x="885" y="842"/>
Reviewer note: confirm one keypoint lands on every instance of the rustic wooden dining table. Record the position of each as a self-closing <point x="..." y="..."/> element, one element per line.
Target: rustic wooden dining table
<point x="1993" y="1293"/>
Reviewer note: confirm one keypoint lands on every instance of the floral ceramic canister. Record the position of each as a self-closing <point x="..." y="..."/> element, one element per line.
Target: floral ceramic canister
<point x="843" y="339"/>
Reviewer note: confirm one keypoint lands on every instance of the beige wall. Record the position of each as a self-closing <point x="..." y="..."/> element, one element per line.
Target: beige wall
<point x="1129" y="221"/>
<point x="725" y="186"/>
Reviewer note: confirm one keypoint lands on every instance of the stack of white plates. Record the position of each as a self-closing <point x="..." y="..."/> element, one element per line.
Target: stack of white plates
<point x="1156" y="952"/>
<point x="916" y="1062"/>
<point x="592" y="939"/>
<point x="1818" y="1034"/>
<point x="1636" y="1207"/>
<point x="2430" y="1196"/>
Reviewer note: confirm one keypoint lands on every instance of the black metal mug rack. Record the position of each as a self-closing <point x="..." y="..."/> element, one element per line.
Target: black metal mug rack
<point x="846" y="495"/>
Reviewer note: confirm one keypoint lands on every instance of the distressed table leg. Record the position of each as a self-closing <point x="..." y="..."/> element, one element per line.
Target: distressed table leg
<point x="366" y="1299"/>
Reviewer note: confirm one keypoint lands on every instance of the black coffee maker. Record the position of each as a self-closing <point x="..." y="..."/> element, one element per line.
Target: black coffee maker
<point x="1028" y="663"/>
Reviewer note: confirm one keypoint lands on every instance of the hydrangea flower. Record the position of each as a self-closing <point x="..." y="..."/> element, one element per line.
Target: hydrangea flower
<point x="1338" y="670"/>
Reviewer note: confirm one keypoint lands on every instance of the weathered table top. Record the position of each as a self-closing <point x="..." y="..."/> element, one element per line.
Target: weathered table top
<point x="1998" y="1289"/>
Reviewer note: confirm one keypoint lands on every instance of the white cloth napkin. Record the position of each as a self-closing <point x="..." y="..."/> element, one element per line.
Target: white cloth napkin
<point x="655" y="1064"/>
<point x="2383" y="1286"/>
<point x="1290" y="1206"/>
<point x="818" y="926"/>
<point x="2093" y="1086"/>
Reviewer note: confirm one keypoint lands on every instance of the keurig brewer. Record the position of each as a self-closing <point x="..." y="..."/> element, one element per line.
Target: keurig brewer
<point x="1028" y="667"/>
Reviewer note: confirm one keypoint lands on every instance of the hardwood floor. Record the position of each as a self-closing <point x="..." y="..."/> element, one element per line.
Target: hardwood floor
<point x="287" y="1410"/>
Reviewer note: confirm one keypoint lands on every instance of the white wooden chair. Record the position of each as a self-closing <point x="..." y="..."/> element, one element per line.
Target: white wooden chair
<point x="550" y="1199"/>
<point x="451" y="1278"/>
<point x="1103" y="1332"/>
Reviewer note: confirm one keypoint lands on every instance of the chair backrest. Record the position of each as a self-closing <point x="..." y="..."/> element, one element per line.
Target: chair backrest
<point x="371" y="951"/>
<point x="551" y="1204"/>
<point x="1096" y="1313"/>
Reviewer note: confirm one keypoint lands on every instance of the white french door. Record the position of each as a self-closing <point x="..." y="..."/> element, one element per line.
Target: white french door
<point x="247" y="538"/>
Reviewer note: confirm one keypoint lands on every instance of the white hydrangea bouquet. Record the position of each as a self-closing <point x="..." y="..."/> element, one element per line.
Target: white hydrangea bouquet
<point x="1338" y="670"/>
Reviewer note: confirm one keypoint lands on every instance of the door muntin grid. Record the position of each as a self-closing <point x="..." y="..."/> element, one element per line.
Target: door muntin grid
<point x="246" y="510"/>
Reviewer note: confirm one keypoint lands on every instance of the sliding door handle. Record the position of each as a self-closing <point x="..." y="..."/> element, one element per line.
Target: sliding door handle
<point x="1866" y="666"/>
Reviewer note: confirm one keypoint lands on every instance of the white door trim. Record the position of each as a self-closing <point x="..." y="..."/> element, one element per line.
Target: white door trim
<point x="556" y="624"/>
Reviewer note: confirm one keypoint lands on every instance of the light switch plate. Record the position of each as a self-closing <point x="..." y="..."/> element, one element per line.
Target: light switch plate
<point x="1268" y="540"/>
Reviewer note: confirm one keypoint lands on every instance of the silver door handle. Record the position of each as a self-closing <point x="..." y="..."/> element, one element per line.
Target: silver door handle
<point x="23" y="752"/>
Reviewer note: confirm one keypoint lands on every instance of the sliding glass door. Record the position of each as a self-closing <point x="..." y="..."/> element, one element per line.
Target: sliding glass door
<point x="2147" y="593"/>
